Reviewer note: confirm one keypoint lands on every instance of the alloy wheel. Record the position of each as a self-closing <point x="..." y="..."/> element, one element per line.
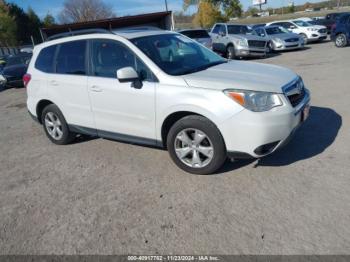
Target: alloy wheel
<point x="53" y="125"/>
<point x="194" y="148"/>
<point x="340" y="40"/>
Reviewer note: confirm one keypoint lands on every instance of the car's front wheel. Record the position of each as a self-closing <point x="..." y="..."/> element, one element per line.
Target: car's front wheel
<point x="341" y="40"/>
<point x="195" y="144"/>
<point x="55" y="126"/>
<point x="230" y="52"/>
<point x="304" y="36"/>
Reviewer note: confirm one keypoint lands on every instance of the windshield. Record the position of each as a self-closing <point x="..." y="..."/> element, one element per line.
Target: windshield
<point x="302" y="23"/>
<point x="176" y="54"/>
<point x="239" y="30"/>
<point x="276" y="30"/>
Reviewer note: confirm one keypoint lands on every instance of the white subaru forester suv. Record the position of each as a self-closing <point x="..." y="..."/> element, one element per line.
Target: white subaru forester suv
<point x="160" y="88"/>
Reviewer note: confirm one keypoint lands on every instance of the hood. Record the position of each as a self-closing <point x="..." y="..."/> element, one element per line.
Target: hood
<point x="242" y="75"/>
<point x="317" y="27"/>
<point x="248" y="37"/>
<point x="284" y="36"/>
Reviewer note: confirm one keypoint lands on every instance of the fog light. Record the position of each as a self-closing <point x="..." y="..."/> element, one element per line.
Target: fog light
<point x="2" y="80"/>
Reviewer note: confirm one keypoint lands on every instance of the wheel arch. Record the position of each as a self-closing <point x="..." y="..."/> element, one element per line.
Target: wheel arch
<point x="40" y="107"/>
<point x="230" y="44"/>
<point x="170" y="120"/>
<point x="173" y="117"/>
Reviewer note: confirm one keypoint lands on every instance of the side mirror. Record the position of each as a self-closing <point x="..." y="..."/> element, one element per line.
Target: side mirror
<point x="128" y="74"/>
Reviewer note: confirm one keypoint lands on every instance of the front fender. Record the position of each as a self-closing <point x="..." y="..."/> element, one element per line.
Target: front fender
<point x="212" y="104"/>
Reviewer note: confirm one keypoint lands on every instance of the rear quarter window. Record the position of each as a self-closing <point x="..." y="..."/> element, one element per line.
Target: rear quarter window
<point x="44" y="61"/>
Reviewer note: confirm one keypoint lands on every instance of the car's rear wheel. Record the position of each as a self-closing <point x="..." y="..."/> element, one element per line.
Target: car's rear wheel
<point x="230" y="52"/>
<point x="195" y="144"/>
<point x="55" y="126"/>
<point x="341" y="40"/>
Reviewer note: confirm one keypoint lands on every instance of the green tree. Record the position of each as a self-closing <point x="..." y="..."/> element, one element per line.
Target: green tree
<point x="214" y="8"/>
<point x="27" y="24"/>
<point x="291" y="8"/>
<point x="48" y="20"/>
<point x="34" y="25"/>
<point x="22" y="22"/>
<point x="252" y="11"/>
<point x="207" y="15"/>
<point x="232" y="8"/>
<point x="7" y="26"/>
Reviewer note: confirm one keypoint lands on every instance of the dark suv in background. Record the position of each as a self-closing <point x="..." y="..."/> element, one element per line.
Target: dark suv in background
<point x="341" y="31"/>
<point x="329" y="20"/>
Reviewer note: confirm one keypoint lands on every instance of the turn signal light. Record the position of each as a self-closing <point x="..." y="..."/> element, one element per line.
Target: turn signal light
<point x="238" y="97"/>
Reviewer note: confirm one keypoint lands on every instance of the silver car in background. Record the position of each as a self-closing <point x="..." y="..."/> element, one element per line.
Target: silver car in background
<point x="199" y="35"/>
<point x="279" y="38"/>
<point x="237" y="41"/>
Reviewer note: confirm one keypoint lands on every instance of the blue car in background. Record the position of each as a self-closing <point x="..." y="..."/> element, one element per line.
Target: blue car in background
<point x="340" y="33"/>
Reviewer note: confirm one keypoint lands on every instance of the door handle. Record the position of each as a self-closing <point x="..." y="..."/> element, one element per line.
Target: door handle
<point x="95" y="88"/>
<point x="54" y="83"/>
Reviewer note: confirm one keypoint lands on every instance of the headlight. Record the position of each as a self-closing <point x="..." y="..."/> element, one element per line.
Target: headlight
<point x="2" y="79"/>
<point x="242" y="42"/>
<point x="277" y="40"/>
<point x="255" y="101"/>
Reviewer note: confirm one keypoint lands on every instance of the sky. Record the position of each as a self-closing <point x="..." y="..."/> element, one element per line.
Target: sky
<point x="131" y="7"/>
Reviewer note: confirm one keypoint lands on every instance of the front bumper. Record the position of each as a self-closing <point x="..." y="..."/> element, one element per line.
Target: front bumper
<point x="288" y="46"/>
<point x="316" y="36"/>
<point x="250" y="52"/>
<point x="259" y="134"/>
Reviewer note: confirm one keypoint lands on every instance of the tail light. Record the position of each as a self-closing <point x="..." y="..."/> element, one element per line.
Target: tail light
<point x="26" y="79"/>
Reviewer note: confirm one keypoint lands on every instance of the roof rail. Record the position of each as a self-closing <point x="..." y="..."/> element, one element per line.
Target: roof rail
<point x="79" y="32"/>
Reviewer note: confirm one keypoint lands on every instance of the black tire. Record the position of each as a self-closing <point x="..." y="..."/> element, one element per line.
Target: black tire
<point x="341" y="40"/>
<point x="230" y="52"/>
<point x="215" y="140"/>
<point x="304" y="37"/>
<point x="270" y="48"/>
<point x="67" y="136"/>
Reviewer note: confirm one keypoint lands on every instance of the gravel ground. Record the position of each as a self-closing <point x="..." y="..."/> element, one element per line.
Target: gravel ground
<point x="104" y="197"/>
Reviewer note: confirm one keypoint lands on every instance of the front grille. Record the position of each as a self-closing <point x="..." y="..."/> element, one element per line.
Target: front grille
<point x="256" y="43"/>
<point x="295" y="92"/>
<point x="291" y="40"/>
<point x="322" y="31"/>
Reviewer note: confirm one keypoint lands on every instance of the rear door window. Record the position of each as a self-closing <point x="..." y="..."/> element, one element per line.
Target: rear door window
<point x="44" y="62"/>
<point x="71" y="58"/>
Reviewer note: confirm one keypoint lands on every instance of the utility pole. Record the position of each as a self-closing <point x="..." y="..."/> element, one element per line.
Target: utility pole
<point x="166" y="5"/>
